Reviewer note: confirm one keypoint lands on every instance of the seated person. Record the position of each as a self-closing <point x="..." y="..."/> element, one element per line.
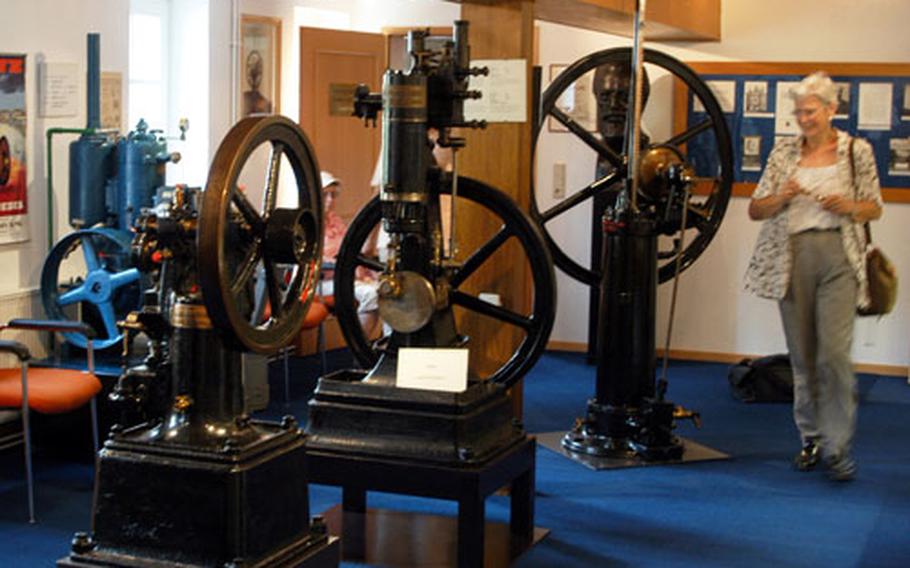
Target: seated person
<point x="365" y="285"/>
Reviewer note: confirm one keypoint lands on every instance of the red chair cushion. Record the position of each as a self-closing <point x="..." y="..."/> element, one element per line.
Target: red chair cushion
<point x="50" y="390"/>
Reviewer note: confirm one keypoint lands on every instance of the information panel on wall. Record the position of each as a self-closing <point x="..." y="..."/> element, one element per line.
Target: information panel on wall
<point x="873" y="103"/>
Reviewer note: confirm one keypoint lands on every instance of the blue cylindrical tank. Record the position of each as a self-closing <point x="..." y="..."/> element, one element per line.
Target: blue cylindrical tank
<point x="92" y="163"/>
<point x="141" y="158"/>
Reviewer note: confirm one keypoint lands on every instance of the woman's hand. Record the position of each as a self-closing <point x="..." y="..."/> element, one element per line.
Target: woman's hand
<point x="773" y="204"/>
<point x="837" y="204"/>
<point x="790" y="190"/>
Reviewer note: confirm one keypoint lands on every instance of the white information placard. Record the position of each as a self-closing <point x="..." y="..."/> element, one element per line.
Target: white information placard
<point x="58" y="89"/>
<point x="505" y="91"/>
<point x="875" y="106"/>
<point x="437" y="369"/>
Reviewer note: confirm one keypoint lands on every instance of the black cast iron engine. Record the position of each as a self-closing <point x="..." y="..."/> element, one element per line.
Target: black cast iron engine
<point x="200" y="483"/>
<point x="423" y="281"/>
<point x="665" y="196"/>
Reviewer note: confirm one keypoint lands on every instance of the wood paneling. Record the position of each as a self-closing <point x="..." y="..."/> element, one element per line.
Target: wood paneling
<point x="667" y="20"/>
<point x="499" y="155"/>
<point x="344" y="146"/>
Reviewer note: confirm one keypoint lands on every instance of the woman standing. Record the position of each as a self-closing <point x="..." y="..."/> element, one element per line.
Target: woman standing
<point x="809" y="257"/>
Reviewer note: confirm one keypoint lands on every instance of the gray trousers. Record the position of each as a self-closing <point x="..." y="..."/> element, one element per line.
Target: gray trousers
<point x="818" y="313"/>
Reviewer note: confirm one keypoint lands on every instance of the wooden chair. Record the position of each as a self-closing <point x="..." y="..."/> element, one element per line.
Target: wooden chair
<point x="48" y="390"/>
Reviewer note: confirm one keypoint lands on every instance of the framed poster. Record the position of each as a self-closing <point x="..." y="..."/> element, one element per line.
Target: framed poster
<point x="13" y="178"/>
<point x="259" y="79"/>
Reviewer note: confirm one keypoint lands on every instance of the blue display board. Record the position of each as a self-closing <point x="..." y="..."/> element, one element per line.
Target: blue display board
<point x="758" y="110"/>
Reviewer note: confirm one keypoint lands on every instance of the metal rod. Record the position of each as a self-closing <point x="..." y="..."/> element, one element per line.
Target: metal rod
<point x="633" y="129"/>
<point x="235" y="59"/>
<point x="26" y="431"/>
<point x="453" y="241"/>
<point x="90" y="355"/>
<point x="662" y="383"/>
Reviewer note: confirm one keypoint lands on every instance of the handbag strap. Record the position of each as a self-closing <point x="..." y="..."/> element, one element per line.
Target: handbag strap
<point x="866" y="228"/>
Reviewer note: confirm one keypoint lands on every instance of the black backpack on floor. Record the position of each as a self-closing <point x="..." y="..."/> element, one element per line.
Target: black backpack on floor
<point x="766" y="379"/>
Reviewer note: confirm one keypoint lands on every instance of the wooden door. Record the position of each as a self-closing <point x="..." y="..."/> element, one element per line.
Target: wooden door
<point x="332" y="63"/>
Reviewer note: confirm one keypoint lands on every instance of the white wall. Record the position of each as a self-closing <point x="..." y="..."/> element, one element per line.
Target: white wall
<point x="55" y="31"/>
<point x="713" y="313"/>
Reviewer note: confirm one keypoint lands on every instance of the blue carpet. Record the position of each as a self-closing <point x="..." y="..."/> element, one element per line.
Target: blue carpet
<point x="751" y="510"/>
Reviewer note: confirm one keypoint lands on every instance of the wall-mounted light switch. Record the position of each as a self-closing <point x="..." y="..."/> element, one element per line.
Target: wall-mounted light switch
<point x="559" y="180"/>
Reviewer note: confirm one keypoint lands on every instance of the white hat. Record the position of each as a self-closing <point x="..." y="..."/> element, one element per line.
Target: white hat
<point x="328" y="179"/>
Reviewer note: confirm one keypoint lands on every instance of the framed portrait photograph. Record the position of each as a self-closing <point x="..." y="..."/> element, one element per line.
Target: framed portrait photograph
<point x="905" y="112"/>
<point x="259" y="79"/>
<point x="843" y="100"/>
<point x="751" y="158"/>
<point x="755" y="99"/>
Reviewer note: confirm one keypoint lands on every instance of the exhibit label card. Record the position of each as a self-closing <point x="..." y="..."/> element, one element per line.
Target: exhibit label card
<point x="432" y="369"/>
<point x="504" y="92"/>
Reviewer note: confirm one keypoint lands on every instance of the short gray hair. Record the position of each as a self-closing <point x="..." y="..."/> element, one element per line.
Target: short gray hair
<point x="819" y="85"/>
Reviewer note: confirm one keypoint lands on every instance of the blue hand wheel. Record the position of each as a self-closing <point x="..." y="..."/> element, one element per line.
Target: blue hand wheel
<point x="88" y="277"/>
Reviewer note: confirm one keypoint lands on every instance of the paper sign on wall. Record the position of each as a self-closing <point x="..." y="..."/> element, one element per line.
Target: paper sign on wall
<point x="505" y="91"/>
<point x="432" y="369"/>
<point x="58" y="89"/>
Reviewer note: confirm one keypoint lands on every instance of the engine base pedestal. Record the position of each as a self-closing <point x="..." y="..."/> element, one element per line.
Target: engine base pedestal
<point x="161" y="503"/>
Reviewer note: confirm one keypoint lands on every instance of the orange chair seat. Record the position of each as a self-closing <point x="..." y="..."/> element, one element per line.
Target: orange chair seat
<point x="315" y="315"/>
<point x="50" y="391"/>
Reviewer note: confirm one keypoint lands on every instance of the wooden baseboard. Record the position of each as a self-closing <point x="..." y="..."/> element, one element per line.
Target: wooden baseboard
<point x="719" y="357"/>
<point x="573" y="346"/>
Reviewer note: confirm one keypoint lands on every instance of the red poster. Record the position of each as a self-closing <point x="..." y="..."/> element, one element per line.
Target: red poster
<point x="13" y="179"/>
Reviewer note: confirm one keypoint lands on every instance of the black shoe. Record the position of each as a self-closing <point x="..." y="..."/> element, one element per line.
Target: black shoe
<point x="808" y="457"/>
<point x="841" y="467"/>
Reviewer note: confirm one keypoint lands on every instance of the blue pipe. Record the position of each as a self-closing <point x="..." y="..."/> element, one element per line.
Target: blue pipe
<point x="93" y="81"/>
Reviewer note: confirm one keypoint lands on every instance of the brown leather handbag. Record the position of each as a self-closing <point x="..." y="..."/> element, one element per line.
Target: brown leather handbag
<point x="880" y="273"/>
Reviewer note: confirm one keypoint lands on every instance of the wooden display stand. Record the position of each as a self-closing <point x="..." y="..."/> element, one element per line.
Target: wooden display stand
<point x="469" y="486"/>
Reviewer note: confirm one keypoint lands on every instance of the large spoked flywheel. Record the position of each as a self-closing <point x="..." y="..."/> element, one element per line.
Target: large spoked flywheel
<point x="713" y="177"/>
<point x="514" y="236"/>
<point x="88" y="277"/>
<point x="260" y="235"/>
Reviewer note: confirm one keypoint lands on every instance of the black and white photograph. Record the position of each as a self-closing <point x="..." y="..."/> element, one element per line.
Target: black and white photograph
<point x="724" y="92"/>
<point x="755" y="98"/>
<point x="751" y="159"/>
<point x="899" y="157"/>
<point x="784" y="121"/>
<point x="843" y="100"/>
<point x="905" y="109"/>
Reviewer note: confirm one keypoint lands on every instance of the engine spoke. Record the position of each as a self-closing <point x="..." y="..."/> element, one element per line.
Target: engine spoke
<point x="475" y="304"/>
<point x="580" y="196"/>
<point x="598" y="146"/>
<point x="480" y="256"/>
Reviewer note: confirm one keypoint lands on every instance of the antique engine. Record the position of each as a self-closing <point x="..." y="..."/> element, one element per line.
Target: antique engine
<point x="645" y="192"/>
<point x="88" y="275"/>
<point x="201" y="484"/>
<point x="421" y="283"/>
